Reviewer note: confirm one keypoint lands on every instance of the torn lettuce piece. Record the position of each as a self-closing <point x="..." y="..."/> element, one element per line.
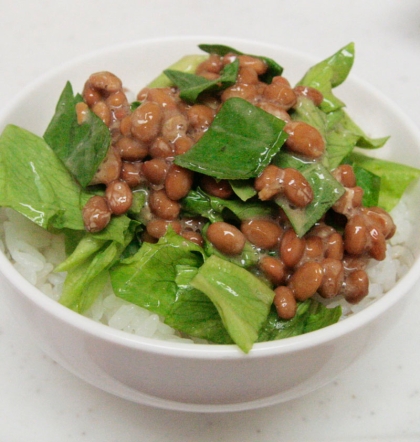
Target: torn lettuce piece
<point x="395" y="177"/>
<point x="239" y="143"/>
<point x="242" y="300"/>
<point x="51" y="200"/>
<point x="327" y="190"/>
<point x="370" y="183"/>
<point x="187" y="64"/>
<point x="243" y="189"/>
<point x="311" y="315"/>
<point x="191" y="86"/>
<point x="199" y="203"/>
<point x="81" y="147"/>
<point x="193" y="312"/>
<point x="340" y="132"/>
<point x="273" y="68"/>
<point x="148" y="278"/>
<point x="87" y="269"/>
<point x="329" y="74"/>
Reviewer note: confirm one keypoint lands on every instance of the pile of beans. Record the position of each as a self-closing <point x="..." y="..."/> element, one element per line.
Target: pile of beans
<point x="327" y="261"/>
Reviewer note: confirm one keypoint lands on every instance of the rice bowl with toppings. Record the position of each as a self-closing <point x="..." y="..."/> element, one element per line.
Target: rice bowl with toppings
<point x="36" y="256"/>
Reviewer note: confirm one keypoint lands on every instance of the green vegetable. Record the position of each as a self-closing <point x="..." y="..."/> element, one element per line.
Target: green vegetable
<point x="197" y="290"/>
<point x="148" y="278"/>
<point x="311" y="315"/>
<point x="27" y="184"/>
<point x="327" y="190"/>
<point x="187" y="64"/>
<point x="273" y="68"/>
<point x="191" y="86"/>
<point x="395" y="177"/>
<point x="328" y="74"/>
<point x="81" y="147"/>
<point x="239" y="144"/>
<point x="242" y="300"/>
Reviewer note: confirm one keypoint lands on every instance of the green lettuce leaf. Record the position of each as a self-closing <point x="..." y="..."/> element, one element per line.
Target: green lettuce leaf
<point x="81" y="147"/>
<point x="239" y="143"/>
<point x="87" y="269"/>
<point x="27" y="184"/>
<point x="329" y="74"/>
<point x="395" y="177"/>
<point x="148" y="278"/>
<point x="242" y="300"/>
<point x="191" y="86"/>
<point x="273" y="68"/>
<point x="326" y="189"/>
<point x="311" y="315"/>
<point x="193" y="312"/>
<point x="187" y="64"/>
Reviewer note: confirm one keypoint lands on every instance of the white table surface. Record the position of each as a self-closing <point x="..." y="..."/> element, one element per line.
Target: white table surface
<point x="378" y="398"/>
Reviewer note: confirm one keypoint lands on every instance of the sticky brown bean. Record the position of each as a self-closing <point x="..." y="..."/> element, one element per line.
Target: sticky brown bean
<point x="96" y="214"/>
<point x="333" y="278"/>
<point x="174" y="127"/>
<point x="281" y="94"/>
<point x="183" y="144"/>
<point x="131" y="149"/>
<point x="356" y="286"/>
<point x="306" y="280"/>
<point x="377" y="247"/>
<point x="119" y="197"/>
<point x="157" y="228"/>
<point x="110" y="168"/>
<point x="155" y="170"/>
<point x="382" y="220"/>
<point x="162" y="206"/>
<point x="334" y="246"/>
<point x="103" y="112"/>
<point x="296" y="188"/>
<point x="351" y="199"/>
<point x="291" y="248"/>
<point x="178" y="182"/>
<point x="345" y="175"/>
<point x="309" y="92"/>
<point x="146" y="121"/>
<point x="273" y="269"/>
<point x="262" y="233"/>
<point x="193" y="236"/>
<point x="275" y="110"/>
<point x="226" y="238"/>
<point x="355" y="235"/>
<point x="82" y="112"/>
<point x="161" y="148"/>
<point x="200" y="116"/>
<point x="90" y="95"/>
<point x="131" y="173"/>
<point x="304" y="139"/>
<point x="161" y="96"/>
<point x="285" y="302"/>
<point x="212" y="64"/>
<point x="105" y="81"/>
<point x="219" y="188"/>
<point x="270" y="182"/>
<point x="255" y="63"/>
<point x="314" y="248"/>
<point x="247" y="75"/>
<point x="245" y="91"/>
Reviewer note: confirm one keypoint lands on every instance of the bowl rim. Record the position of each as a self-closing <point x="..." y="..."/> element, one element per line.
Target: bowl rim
<point x="194" y="350"/>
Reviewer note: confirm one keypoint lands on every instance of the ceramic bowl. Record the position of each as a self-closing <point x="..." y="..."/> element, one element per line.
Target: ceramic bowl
<point x="196" y="377"/>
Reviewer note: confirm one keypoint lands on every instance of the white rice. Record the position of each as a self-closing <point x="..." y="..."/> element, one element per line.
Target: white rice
<point x="35" y="253"/>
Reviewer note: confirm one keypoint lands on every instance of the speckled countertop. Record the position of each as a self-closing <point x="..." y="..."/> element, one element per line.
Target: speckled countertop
<point x="378" y="398"/>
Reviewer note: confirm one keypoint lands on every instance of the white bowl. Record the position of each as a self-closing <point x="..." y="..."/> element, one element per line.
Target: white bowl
<point x="194" y="377"/>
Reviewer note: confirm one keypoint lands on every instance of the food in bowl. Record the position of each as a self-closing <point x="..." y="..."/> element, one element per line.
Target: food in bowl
<point x="230" y="205"/>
